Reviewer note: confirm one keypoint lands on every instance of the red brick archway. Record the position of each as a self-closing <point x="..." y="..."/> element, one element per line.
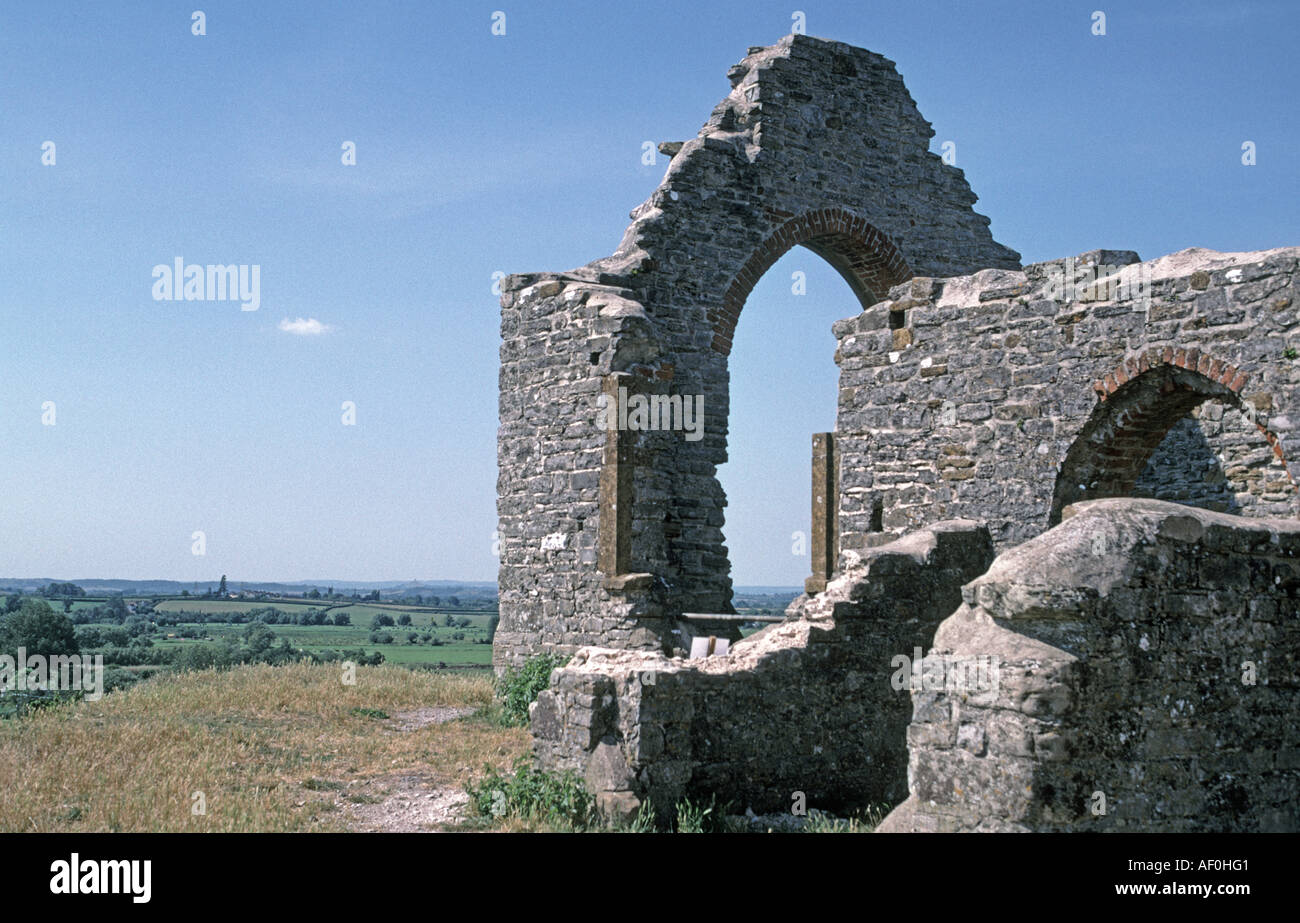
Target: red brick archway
<point x="1138" y="403"/>
<point x="863" y="255"/>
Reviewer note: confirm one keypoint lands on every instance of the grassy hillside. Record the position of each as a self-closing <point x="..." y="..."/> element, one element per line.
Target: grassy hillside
<point x="270" y="748"/>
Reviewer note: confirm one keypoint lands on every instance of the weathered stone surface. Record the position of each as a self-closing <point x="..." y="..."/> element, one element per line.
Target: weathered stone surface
<point x="1045" y="399"/>
<point x="809" y="705"/>
<point x="1148" y="681"/>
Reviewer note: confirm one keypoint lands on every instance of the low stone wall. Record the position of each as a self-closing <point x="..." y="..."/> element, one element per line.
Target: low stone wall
<point x="803" y="706"/>
<point x="1148" y="681"/>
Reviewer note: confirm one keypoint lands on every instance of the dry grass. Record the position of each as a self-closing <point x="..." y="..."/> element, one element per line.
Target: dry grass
<point x="267" y="746"/>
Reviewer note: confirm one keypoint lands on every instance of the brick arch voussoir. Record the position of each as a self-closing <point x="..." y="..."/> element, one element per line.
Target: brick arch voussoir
<point x="1193" y="360"/>
<point x="1217" y="371"/>
<point x="863" y="254"/>
<point x="1116" y="450"/>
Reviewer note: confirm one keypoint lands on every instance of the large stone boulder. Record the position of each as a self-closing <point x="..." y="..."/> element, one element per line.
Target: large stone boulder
<point x="1147" y="680"/>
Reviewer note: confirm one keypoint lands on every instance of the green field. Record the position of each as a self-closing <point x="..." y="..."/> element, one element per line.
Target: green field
<point x="471" y="650"/>
<point x="317" y="638"/>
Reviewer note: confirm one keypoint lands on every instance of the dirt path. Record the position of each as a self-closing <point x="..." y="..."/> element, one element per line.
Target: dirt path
<point x="406" y="802"/>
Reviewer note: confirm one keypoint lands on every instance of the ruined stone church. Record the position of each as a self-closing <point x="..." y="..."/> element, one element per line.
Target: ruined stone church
<point x="1078" y="476"/>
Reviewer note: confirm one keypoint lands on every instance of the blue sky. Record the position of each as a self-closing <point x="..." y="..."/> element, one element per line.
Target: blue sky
<point x="479" y="153"/>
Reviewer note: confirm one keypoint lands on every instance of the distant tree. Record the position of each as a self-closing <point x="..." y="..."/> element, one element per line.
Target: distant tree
<point x="259" y="637"/>
<point x="463" y="621"/>
<point x="185" y="592"/>
<point x="38" y="629"/>
<point x="374" y="594"/>
<point x="67" y="605"/>
<point x="492" y="627"/>
<point x="412" y="637"/>
<point x="314" y="594"/>
<point x="435" y="600"/>
<point x="453" y="601"/>
<point x="205" y="656"/>
<point x="270" y="615"/>
<point x="221" y="590"/>
<point x="13" y="602"/>
<point x="404" y="619"/>
<point x="381" y="620"/>
<point x="342" y="618"/>
<point x="117" y="608"/>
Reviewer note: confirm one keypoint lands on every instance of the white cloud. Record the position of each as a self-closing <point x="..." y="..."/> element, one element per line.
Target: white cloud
<point x="304" y="327"/>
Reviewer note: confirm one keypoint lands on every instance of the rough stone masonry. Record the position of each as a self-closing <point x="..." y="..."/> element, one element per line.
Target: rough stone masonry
<point x="993" y="398"/>
<point x="607" y="535"/>
<point x="805" y="706"/>
<point x="1148" y="681"/>
<point x="979" y="402"/>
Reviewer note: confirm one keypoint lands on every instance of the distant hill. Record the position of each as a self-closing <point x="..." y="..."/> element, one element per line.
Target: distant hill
<point x="468" y="589"/>
<point x="96" y="585"/>
<point x="764" y="597"/>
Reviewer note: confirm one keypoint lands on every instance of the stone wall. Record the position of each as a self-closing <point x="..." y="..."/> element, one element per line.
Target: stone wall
<point x="1149" y="680"/>
<point x="550" y="456"/>
<point x="1000" y="396"/>
<point x="1003" y="396"/>
<point x="1185" y="468"/>
<point x="806" y="706"/>
<point x="607" y="534"/>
